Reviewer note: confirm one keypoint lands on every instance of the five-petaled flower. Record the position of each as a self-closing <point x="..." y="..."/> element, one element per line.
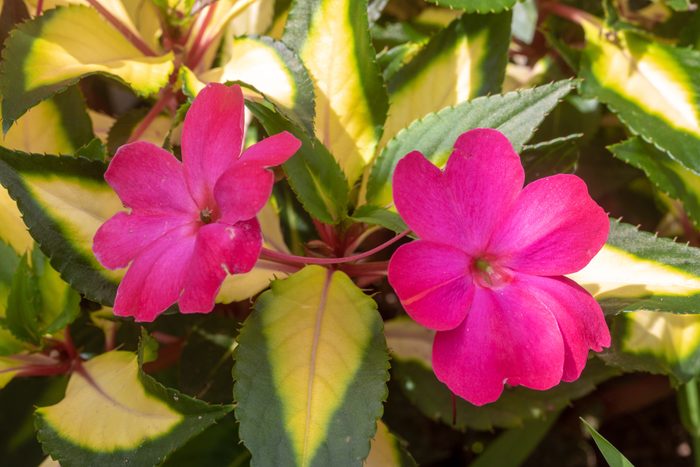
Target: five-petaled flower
<point x="193" y="222"/>
<point x="488" y="269"/>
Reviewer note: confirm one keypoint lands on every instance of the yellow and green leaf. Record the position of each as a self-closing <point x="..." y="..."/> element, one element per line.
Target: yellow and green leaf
<point x="47" y="54"/>
<point x="63" y="201"/>
<point x="387" y="450"/>
<point x="313" y="173"/>
<point x="39" y="302"/>
<point x="667" y="174"/>
<point x="58" y="125"/>
<point x="113" y="414"/>
<point x="639" y="271"/>
<point x="310" y="372"/>
<point x="332" y="38"/>
<point x="465" y="60"/>
<point x="652" y="86"/>
<point x="271" y="68"/>
<point x="9" y="368"/>
<point x="516" y="114"/>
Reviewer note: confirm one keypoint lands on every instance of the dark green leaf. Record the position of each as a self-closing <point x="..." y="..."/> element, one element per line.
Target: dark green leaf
<point x="610" y="453"/>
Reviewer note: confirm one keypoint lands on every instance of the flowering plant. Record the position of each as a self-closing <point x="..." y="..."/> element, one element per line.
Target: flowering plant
<point x="333" y="232"/>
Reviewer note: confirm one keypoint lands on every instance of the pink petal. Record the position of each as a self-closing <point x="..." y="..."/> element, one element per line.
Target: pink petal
<point x="149" y="179"/>
<point x="554" y="228"/>
<point x="242" y="191"/>
<point x="124" y="236"/>
<point x="507" y="337"/>
<point x="463" y="205"/>
<point x="212" y="138"/>
<point x="154" y="280"/>
<point x="433" y="283"/>
<point x="271" y="151"/>
<point x="220" y="248"/>
<point x="579" y="316"/>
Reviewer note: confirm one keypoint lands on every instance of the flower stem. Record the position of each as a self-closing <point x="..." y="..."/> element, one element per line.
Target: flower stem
<point x="157" y="108"/>
<point x="195" y="54"/>
<point x="293" y="259"/>
<point x="689" y="407"/>
<point x="39" y="7"/>
<point x="135" y="40"/>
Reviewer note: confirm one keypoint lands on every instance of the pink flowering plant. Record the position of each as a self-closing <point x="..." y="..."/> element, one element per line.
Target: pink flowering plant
<point x="340" y="232"/>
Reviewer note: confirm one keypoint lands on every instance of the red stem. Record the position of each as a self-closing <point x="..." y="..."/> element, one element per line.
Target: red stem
<point x="152" y="114"/>
<point x="293" y="259"/>
<point x="39" y="7"/>
<point x="570" y="13"/>
<point x="123" y="29"/>
<point x="197" y="51"/>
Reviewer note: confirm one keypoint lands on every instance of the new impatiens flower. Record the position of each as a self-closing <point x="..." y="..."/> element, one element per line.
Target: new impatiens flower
<point x="488" y="270"/>
<point x="193" y="222"/>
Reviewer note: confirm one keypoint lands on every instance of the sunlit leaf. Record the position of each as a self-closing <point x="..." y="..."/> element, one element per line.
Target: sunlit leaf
<point x="516" y="114"/>
<point x="51" y="52"/>
<point x="637" y="270"/>
<point x="332" y="38"/>
<point x="656" y="342"/>
<point x="652" y="86"/>
<point x="310" y="372"/>
<point x="63" y="201"/>
<point x="273" y="69"/>
<point x="465" y="60"/>
<point x="113" y="414"/>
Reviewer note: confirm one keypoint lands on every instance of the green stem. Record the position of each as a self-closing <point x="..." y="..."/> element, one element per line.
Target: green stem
<point x="689" y="408"/>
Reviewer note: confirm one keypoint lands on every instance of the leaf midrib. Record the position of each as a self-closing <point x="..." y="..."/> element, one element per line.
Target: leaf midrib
<point x="312" y="364"/>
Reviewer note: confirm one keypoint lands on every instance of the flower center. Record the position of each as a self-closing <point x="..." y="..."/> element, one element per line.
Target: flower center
<point x="488" y="274"/>
<point x="206" y="216"/>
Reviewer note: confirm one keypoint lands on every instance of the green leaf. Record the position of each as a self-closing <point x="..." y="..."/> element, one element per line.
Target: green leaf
<point x="551" y="157"/>
<point x="113" y="414"/>
<point x="610" y="453"/>
<point x="63" y="201"/>
<point x="274" y="70"/>
<point x="218" y="445"/>
<point x="310" y="372"/>
<point x="332" y="38"/>
<point x="513" y="447"/>
<point x="637" y="270"/>
<point x="667" y="174"/>
<point x="477" y="6"/>
<point x="516" y="114"/>
<point x="9" y="260"/>
<point x="39" y="302"/>
<point x="48" y="53"/>
<point x="468" y="58"/>
<point x="313" y="174"/>
<point x="411" y="347"/>
<point x="653" y="87"/>
<point x="379" y="216"/>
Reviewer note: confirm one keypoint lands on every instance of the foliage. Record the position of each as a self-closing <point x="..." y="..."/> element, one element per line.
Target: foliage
<point x="303" y="353"/>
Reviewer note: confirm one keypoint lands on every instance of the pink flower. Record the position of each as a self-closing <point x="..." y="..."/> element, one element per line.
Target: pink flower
<point x="487" y="272"/>
<point x="193" y="222"/>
